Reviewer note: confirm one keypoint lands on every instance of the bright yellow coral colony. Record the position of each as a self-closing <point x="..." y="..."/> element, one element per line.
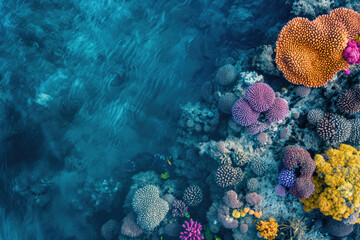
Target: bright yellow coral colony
<point x="337" y="184"/>
<point x="268" y="229"/>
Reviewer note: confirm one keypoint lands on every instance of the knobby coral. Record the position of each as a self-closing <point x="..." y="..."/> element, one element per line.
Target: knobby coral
<point x="268" y="229"/>
<point x="310" y="52"/>
<point x="337" y="185"/>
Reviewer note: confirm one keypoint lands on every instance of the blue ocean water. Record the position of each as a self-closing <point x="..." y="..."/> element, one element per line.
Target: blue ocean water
<point x="91" y="90"/>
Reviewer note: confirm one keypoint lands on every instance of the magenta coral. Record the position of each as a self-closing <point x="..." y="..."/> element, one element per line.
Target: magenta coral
<point x="351" y="52"/>
<point x="243" y="114"/>
<point x="192" y="231"/>
<point x="277" y="111"/>
<point x="260" y="96"/>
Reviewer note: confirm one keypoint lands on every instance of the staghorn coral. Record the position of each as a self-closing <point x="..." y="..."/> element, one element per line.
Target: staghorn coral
<point x="310" y="52"/>
<point x="192" y="230"/>
<point x="268" y="229"/>
<point x="337" y="189"/>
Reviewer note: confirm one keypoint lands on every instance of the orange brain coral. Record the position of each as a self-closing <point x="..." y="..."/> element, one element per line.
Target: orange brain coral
<point x="310" y="52"/>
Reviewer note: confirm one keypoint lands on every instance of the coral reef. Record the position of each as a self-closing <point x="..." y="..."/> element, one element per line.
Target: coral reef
<point x="298" y="48"/>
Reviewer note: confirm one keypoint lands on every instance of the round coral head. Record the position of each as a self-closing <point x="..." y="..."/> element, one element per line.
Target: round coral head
<point x="310" y="52"/>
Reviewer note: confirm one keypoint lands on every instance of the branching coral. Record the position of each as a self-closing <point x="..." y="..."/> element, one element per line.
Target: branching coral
<point x="268" y="229"/>
<point x="310" y="52"/>
<point x="337" y="184"/>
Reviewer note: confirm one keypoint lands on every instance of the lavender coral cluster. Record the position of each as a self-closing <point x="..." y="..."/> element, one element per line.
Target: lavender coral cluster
<point x="259" y="98"/>
<point x="299" y="186"/>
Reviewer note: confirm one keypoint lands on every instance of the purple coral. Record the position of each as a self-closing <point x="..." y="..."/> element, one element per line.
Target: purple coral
<point x="193" y="195"/>
<point x="257" y="127"/>
<point x="302" y="188"/>
<point x="287" y="178"/>
<point x="231" y="199"/>
<point x="260" y="96"/>
<point x="243" y="114"/>
<point x="192" y="231"/>
<point x="225" y="219"/>
<point x="280" y="190"/>
<point x="299" y="157"/>
<point x="253" y="198"/>
<point x="351" y="52"/>
<point x="348" y="102"/>
<point x="179" y="208"/>
<point x="277" y="111"/>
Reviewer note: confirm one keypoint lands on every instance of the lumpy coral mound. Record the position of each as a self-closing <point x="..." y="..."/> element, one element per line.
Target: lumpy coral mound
<point x="310" y="52"/>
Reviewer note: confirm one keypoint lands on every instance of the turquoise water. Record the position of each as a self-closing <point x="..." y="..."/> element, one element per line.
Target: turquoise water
<point x="92" y="95"/>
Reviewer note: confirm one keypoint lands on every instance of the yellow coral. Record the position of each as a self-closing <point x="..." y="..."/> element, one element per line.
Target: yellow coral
<point x="337" y="184"/>
<point x="268" y="229"/>
<point x="235" y="213"/>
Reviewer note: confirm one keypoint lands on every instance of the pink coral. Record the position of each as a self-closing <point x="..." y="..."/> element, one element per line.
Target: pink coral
<point x="231" y="199"/>
<point x="243" y="114"/>
<point x="260" y="96"/>
<point x="253" y="198"/>
<point x="192" y="231"/>
<point x="352" y="53"/>
<point x="277" y="111"/>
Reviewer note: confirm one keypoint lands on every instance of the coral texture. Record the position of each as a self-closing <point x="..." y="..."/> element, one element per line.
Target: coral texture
<point x="192" y="230"/>
<point x="260" y="96"/>
<point x="277" y="111"/>
<point x="268" y="229"/>
<point x="193" y="195"/>
<point x="150" y="208"/>
<point x="287" y="178"/>
<point x="310" y="52"/>
<point x="243" y="114"/>
<point x="337" y="191"/>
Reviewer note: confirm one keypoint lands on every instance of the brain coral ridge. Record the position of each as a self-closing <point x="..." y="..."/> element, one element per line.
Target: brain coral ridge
<point x="310" y="52"/>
